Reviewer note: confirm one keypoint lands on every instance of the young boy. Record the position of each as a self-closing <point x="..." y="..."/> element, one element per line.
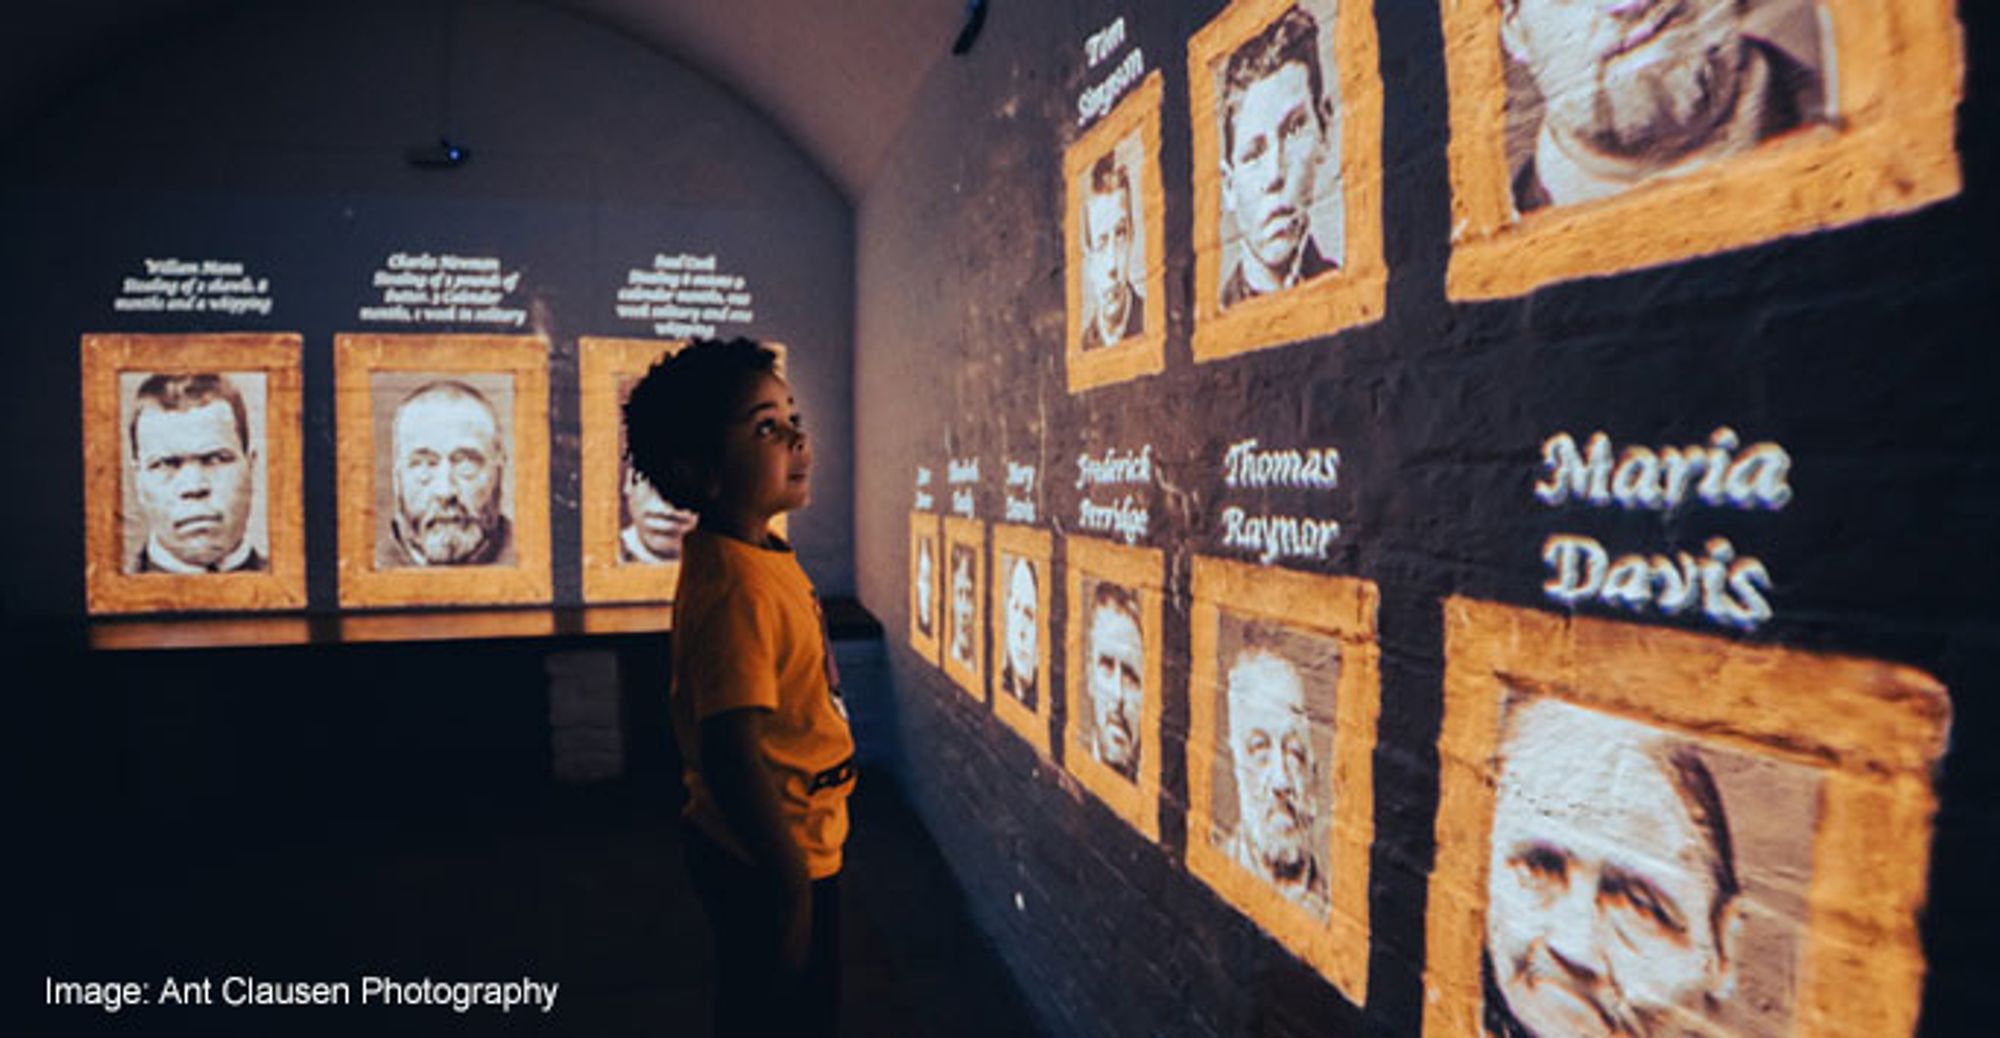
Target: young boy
<point x="756" y="700"/>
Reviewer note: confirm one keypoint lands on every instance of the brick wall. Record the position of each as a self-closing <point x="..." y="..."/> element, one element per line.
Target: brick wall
<point x="1855" y="351"/>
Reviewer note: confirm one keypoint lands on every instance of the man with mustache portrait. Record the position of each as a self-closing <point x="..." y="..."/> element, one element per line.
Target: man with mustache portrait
<point x="193" y="466"/>
<point x="1277" y="775"/>
<point x="449" y="470"/>
<point x="1628" y="90"/>
<point x="1276" y="128"/>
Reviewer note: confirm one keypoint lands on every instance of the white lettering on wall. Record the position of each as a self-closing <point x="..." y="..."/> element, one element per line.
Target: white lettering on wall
<point x="1720" y="474"/>
<point x="193" y="287"/>
<point x="1247" y="465"/>
<point x="1098" y="47"/>
<point x="1314" y="468"/>
<point x="1020" y="493"/>
<point x="683" y="295"/>
<point x="445" y="288"/>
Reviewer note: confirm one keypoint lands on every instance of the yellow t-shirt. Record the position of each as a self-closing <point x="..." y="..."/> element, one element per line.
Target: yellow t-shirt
<point x="748" y="633"/>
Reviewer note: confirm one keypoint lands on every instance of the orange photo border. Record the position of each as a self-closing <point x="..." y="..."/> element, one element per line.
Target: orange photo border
<point x="108" y="589"/>
<point x="528" y="581"/>
<point x="1874" y="730"/>
<point x="1143" y="570"/>
<point x="1343" y="608"/>
<point x="1146" y="353"/>
<point x="1357" y="293"/>
<point x="967" y="533"/>
<point x="1900" y="76"/>
<point x="1036" y="545"/>
<point x="600" y="363"/>
<point x="925" y="524"/>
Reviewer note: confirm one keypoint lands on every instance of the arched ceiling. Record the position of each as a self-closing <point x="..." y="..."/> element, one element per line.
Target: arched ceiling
<point x="838" y="76"/>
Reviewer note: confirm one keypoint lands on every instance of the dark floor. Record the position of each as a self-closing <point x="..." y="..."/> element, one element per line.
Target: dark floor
<point x="584" y="888"/>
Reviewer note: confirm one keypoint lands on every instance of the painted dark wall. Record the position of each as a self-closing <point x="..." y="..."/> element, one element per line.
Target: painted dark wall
<point x="276" y="136"/>
<point x="1865" y="351"/>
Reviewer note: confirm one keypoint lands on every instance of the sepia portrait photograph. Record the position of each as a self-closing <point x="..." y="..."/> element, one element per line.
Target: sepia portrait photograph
<point x="1283" y="694"/>
<point x="194" y="474"/>
<point x="1019" y="605"/>
<point x="199" y="435"/>
<point x="926" y="575"/>
<point x="1641" y="877"/>
<point x="1604" y="97"/>
<point x="1287" y="109"/>
<point x="444" y="493"/>
<point x="631" y="532"/>
<point x="444" y="446"/>
<point x="965" y="604"/>
<point x="1645" y="831"/>
<point x="1115" y="246"/>
<point x="1272" y="795"/>
<point x="1113" y="642"/>
<point x="1675" y="128"/>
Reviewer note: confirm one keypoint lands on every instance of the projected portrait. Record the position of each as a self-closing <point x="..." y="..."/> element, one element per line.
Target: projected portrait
<point x="1275" y="754"/>
<point x="455" y="438"/>
<point x="1677" y="127"/>
<point x="1654" y="832"/>
<point x="924" y="580"/>
<point x="965" y="604"/>
<point x="192" y="445"/>
<point x="631" y="533"/>
<point x="1602" y="97"/>
<point x="1114" y="307"/>
<point x="1616" y="880"/>
<point x="1115" y="249"/>
<point x="193" y="470"/>
<point x="1287" y="191"/>
<point x="1282" y="695"/>
<point x="447" y="498"/>
<point x="1020" y="608"/>
<point x="1114" y="643"/>
<point x="1114" y="663"/>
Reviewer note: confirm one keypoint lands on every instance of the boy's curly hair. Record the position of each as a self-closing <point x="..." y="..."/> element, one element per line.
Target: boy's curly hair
<point x="675" y="415"/>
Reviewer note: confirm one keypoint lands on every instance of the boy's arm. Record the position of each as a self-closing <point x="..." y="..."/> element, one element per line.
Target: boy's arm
<point x="734" y="771"/>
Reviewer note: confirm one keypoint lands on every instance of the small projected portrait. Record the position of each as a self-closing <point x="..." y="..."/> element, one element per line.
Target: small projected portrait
<point x="965" y="604"/>
<point x="1283" y="692"/>
<point x="192" y="472"/>
<point x="1020" y="608"/>
<point x="1114" y="643"/>
<point x="1624" y="885"/>
<point x="651" y="527"/>
<point x="1116" y="252"/>
<point x="1276" y="719"/>
<point x="962" y="605"/>
<point x="1287" y="191"/>
<point x="1114" y="307"/>
<point x="447" y="498"/>
<point x="1656" y="832"/>
<point x="925" y="577"/>
<point x="449" y="435"/>
<point x="631" y="533"/>
<point x="1021" y="617"/>
<point x="1114" y="663"/>
<point x="1666" y="127"/>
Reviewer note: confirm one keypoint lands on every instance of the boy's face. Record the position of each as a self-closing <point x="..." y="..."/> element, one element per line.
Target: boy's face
<point x="766" y="459"/>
